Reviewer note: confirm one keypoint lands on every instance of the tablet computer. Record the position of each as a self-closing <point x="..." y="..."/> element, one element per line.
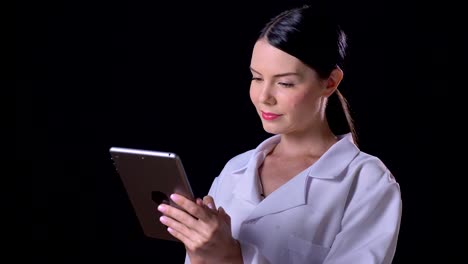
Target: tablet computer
<point x="149" y="178"/>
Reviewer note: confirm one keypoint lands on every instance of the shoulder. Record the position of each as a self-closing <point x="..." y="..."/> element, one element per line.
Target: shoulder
<point x="369" y="164"/>
<point x="230" y="174"/>
<point x="370" y="172"/>
<point x="239" y="161"/>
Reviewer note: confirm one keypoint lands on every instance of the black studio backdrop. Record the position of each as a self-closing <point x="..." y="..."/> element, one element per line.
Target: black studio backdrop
<point x="174" y="76"/>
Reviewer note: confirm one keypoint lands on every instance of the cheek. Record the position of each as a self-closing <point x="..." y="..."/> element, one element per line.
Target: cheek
<point x="253" y="95"/>
<point x="304" y="104"/>
<point x="299" y="101"/>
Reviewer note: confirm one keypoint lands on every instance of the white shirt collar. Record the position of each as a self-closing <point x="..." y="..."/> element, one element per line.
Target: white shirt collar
<point x="339" y="156"/>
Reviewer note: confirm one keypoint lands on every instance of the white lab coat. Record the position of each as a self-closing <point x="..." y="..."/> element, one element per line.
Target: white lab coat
<point x="345" y="208"/>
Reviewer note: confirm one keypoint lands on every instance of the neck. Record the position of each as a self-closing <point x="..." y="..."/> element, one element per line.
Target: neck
<point x="312" y="144"/>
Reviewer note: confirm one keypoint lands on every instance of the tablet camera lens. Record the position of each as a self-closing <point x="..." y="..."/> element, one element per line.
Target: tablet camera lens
<point x="159" y="197"/>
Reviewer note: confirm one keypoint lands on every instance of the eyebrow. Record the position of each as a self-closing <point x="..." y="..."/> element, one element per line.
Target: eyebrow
<point x="279" y="74"/>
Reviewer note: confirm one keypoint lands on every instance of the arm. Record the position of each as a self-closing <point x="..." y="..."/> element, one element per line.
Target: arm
<point x="370" y="225"/>
<point x="248" y="253"/>
<point x="251" y="254"/>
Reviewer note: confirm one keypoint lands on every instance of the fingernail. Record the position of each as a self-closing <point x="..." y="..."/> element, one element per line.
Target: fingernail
<point x="211" y="206"/>
<point x="175" y="197"/>
<point x="162" y="208"/>
<point x="163" y="219"/>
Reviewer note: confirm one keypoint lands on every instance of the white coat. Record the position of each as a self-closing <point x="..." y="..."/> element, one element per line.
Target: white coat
<point x="345" y="208"/>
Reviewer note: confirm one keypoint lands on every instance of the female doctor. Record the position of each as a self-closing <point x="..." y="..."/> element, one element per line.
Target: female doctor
<point x="307" y="194"/>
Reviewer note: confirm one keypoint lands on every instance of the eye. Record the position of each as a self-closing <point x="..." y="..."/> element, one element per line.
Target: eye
<point x="257" y="79"/>
<point x="287" y="85"/>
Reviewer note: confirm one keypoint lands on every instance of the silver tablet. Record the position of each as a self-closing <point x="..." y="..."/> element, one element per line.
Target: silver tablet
<point x="149" y="178"/>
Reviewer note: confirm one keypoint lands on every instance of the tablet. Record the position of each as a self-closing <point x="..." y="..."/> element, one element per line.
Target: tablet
<point x="150" y="177"/>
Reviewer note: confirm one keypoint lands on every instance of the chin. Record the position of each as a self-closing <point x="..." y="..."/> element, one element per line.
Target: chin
<point x="271" y="130"/>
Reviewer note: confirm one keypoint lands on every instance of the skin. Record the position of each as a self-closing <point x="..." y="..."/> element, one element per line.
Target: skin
<point x="204" y="230"/>
<point x="282" y="85"/>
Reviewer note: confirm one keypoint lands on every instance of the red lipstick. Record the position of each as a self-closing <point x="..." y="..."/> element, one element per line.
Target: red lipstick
<point x="269" y="116"/>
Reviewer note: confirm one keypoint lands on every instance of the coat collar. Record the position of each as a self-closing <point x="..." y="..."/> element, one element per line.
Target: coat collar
<point x="335" y="159"/>
<point x="329" y="166"/>
<point x="248" y="186"/>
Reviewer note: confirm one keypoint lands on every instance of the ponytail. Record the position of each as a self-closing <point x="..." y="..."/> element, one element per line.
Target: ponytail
<point x="339" y="116"/>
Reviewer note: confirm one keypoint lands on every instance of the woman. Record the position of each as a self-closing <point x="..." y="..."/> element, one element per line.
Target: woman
<point x="307" y="194"/>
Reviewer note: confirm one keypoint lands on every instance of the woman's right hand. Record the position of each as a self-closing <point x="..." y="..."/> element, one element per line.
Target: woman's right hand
<point x="204" y="230"/>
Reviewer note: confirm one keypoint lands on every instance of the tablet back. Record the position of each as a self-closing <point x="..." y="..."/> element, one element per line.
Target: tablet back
<point x="149" y="178"/>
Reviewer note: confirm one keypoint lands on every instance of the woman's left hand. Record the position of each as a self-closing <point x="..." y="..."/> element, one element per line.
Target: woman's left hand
<point x="204" y="230"/>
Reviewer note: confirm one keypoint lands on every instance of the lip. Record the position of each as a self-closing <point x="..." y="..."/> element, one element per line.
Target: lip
<point x="269" y="116"/>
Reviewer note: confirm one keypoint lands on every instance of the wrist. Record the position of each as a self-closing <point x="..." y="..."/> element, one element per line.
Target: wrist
<point x="235" y="254"/>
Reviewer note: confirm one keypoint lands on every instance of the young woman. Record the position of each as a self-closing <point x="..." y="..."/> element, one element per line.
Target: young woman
<point x="307" y="194"/>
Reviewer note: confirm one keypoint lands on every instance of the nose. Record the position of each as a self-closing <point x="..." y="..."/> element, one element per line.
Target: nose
<point x="266" y="95"/>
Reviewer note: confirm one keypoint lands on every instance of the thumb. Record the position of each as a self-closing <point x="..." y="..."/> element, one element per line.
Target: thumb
<point x="224" y="215"/>
<point x="209" y="201"/>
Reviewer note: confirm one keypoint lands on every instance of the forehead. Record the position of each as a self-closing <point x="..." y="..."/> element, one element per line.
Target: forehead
<point x="270" y="60"/>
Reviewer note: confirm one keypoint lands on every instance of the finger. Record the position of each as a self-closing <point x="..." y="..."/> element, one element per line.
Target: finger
<point x="184" y="239"/>
<point x="180" y="228"/>
<point x="224" y="215"/>
<point x="201" y="203"/>
<point x="209" y="201"/>
<point x="189" y="206"/>
<point x="177" y="214"/>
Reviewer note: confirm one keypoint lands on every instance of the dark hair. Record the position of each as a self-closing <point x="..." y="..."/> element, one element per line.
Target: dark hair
<point x="311" y="34"/>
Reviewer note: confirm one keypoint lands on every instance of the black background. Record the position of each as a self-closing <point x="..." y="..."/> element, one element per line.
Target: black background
<point x="174" y="76"/>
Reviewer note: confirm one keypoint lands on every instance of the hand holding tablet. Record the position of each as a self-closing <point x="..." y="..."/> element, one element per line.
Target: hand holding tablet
<point x="149" y="178"/>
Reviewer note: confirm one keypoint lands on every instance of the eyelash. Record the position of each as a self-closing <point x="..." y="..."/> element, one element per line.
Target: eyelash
<point x="287" y="85"/>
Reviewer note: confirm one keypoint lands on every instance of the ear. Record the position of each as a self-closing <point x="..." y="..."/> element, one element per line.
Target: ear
<point x="333" y="81"/>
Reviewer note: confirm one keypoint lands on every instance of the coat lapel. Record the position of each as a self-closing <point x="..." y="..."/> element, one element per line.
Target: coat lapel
<point x="247" y="187"/>
<point x="294" y="192"/>
<point x="289" y="195"/>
